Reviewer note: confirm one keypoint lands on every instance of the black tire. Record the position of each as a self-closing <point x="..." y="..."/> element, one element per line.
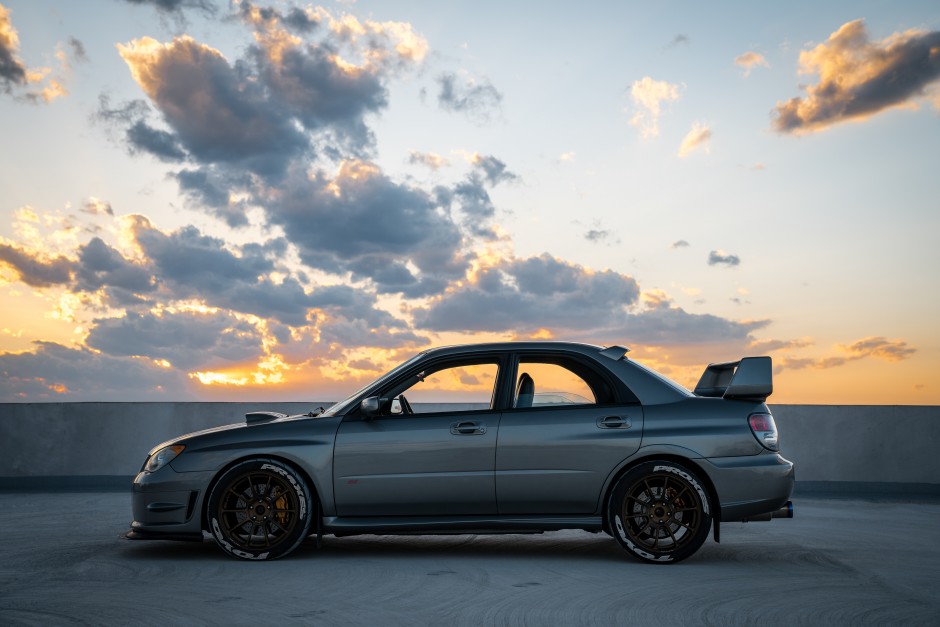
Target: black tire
<point x="260" y="509"/>
<point x="659" y="512"/>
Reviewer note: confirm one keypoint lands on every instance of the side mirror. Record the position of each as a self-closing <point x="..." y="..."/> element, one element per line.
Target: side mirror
<point x="370" y="407"/>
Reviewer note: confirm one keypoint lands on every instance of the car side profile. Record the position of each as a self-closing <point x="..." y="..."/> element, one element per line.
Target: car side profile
<point x="514" y="437"/>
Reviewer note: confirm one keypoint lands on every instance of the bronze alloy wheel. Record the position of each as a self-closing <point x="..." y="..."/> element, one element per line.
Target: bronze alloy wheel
<point x="659" y="512"/>
<point x="260" y="509"/>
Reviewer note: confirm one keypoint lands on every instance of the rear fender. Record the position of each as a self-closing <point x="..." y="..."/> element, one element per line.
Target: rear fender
<point x="657" y="451"/>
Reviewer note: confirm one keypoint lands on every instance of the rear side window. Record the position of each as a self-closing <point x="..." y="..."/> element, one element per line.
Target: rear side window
<point x="546" y="382"/>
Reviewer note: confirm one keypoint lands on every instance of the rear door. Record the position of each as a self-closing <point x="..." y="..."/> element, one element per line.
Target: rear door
<point x="557" y="446"/>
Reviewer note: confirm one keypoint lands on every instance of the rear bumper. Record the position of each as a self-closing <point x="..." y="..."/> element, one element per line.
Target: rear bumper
<point x="752" y="485"/>
<point x="168" y="504"/>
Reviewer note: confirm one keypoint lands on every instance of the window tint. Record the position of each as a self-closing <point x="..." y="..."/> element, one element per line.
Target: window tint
<point x="541" y="384"/>
<point x="470" y="385"/>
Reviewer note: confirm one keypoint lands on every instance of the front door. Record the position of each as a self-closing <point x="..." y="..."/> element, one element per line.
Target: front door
<point x="431" y="452"/>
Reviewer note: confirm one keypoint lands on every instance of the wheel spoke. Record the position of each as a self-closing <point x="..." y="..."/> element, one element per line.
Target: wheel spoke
<point x="649" y="490"/>
<point x="267" y="487"/>
<point x="675" y="542"/>
<point x="686" y="525"/>
<point x="230" y="528"/>
<point x="679" y="495"/>
<point x="240" y="497"/>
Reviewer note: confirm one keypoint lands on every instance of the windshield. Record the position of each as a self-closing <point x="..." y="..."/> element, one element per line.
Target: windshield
<point x="344" y="404"/>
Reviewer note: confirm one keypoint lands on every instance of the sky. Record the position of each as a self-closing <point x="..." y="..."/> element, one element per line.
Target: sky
<point x="204" y="200"/>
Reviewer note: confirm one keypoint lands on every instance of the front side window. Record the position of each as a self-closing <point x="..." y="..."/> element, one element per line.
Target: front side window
<point x="540" y="383"/>
<point x="451" y="387"/>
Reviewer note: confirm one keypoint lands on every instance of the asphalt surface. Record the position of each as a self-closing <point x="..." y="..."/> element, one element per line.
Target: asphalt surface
<point x="839" y="562"/>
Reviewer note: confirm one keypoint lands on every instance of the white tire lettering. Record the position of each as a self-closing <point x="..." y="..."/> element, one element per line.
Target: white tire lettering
<point x="293" y="482"/>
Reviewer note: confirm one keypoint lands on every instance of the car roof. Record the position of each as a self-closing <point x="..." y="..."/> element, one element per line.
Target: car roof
<point x="531" y="345"/>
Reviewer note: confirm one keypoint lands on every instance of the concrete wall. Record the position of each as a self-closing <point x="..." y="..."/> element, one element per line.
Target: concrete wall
<point x="99" y="443"/>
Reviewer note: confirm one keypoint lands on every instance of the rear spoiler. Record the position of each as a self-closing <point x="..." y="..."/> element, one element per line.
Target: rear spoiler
<point x="750" y="379"/>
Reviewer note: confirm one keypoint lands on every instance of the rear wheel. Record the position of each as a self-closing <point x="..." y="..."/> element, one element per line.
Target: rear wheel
<point x="260" y="509"/>
<point x="659" y="512"/>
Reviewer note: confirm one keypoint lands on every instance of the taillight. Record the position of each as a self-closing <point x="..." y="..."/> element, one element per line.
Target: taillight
<point x="764" y="429"/>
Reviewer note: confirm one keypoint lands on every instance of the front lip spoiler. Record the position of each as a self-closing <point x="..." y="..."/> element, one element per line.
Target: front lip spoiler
<point x="138" y="534"/>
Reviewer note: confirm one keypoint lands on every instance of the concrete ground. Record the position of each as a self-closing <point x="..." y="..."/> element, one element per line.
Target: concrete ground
<point x="839" y="562"/>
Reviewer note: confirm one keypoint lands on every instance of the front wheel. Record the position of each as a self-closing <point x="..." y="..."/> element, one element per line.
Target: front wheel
<point x="659" y="512"/>
<point x="260" y="509"/>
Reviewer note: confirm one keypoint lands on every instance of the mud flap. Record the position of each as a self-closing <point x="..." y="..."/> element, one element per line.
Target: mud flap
<point x="716" y="529"/>
<point x="319" y="526"/>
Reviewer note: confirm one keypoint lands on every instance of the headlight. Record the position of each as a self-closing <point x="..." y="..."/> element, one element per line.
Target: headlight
<point x="162" y="457"/>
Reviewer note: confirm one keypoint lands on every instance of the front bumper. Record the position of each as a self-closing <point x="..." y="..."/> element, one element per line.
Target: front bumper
<point x="752" y="485"/>
<point x="168" y="504"/>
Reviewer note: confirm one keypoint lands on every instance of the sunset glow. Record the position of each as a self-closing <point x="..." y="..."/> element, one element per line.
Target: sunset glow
<point x="282" y="200"/>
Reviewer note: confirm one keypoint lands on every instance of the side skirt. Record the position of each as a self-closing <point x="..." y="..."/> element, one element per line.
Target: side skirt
<point x="392" y="525"/>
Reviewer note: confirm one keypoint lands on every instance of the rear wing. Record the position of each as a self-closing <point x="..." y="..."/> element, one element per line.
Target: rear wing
<point x="750" y="379"/>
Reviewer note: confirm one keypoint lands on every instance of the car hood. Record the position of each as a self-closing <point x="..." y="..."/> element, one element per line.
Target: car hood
<point x="195" y="435"/>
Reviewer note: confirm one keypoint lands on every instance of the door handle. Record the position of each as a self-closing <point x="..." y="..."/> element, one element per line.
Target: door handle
<point x="467" y="427"/>
<point x="614" y="422"/>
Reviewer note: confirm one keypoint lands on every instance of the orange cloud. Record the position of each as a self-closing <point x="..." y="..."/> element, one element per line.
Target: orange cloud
<point x="697" y="138"/>
<point x="859" y="78"/>
<point x="648" y="96"/>
<point x="749" y="60"/>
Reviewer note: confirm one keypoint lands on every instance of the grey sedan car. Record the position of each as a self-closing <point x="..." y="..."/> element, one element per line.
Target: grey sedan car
<point x="520" y="437"/>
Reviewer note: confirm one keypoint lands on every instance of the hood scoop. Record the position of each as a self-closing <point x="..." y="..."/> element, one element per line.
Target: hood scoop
<point x="257" y="417"/>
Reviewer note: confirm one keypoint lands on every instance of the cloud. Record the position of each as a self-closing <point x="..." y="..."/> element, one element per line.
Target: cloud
<point x="15" y="73"/>
<point x="428" y="159"/>
<point x="94" y="206"/>
<point x="679" y="40"/>
<point x="12" y="70"/>
<point x="36" y="268"/>
<point x="176" y="7"/>
<point x="190" y="264"/>
<point x="750" y="60"/>
<point x="859" y="77"/>
<point x="697" y="138"/>
<point x="53" y="372"/>
<point x="287" y="100"/>
<point x="528" y="294"/>
<point x="494" y="170"/>
<point x="648" y="96"/>
<point x="720" y="257"/>
<point x="100" y="265"/>
<point x="680" y="244"/>
<point x="78" y="50"/>
<point x="876" y="347"/>
<point x="478" y="99"/>
<point x="598" y="235"/>
<point x="879" y="348"/>
<point x="525" y="296"/>
<point x="361" y="221"/>
<point x="185" y="339"/>
<point x="208" y="189"/>
<point x="766" y="346"/>
<point x="218" y="114"/>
